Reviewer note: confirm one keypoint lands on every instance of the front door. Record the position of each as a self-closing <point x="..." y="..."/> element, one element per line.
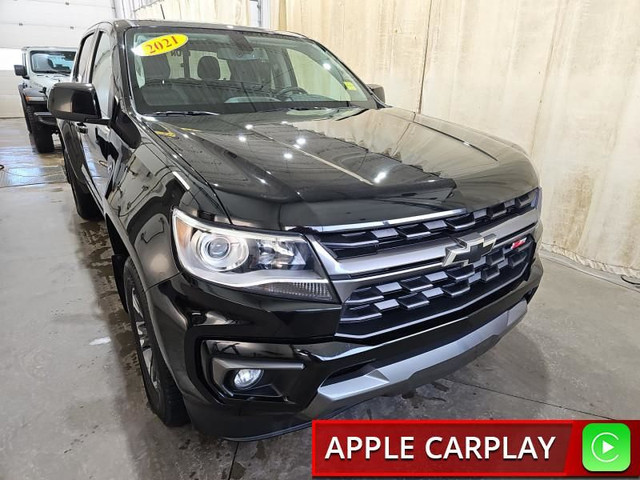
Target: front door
<point x="95" y="138"/>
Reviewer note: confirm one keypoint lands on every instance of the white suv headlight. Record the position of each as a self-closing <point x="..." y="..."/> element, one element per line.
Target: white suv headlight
<point x="281" y="265"/>
<point x="537" y="200"/>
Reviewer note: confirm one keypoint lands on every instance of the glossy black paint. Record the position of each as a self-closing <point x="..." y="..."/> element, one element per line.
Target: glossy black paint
<point x="273" y="170"/>
<point x="230" y="418"/>
<point x="343" y="166"/>
<point x="76" y="102"/>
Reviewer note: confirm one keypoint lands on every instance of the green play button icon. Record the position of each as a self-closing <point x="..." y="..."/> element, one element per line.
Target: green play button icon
<point x="606" y="447"/>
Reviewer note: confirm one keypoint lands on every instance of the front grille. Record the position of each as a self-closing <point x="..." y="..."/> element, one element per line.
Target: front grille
<point x="367" y="242"/>
<point x="388" y="306"/>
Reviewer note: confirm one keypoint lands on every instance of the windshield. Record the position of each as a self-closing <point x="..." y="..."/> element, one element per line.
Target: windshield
<point x="52" y="62"/>
<point x="204" y="70"/>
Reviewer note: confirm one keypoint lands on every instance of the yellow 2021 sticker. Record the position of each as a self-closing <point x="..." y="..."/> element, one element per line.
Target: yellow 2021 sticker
<point x="349" y="85"/>
<point x="160" y="45"/>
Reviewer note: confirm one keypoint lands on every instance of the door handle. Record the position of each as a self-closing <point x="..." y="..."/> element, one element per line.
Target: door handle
<point x="103" y="163"/>
<point x="82" y="128"/>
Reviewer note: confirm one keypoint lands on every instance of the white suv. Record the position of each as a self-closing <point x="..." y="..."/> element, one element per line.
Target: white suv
<point x="42" y="67"/>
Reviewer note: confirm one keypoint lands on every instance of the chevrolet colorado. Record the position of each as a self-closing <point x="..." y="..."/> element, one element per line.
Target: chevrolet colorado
<point x="286" y="244"/>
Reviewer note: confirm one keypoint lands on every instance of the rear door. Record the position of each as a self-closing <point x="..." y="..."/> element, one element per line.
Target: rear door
<point x="95" y="138"/>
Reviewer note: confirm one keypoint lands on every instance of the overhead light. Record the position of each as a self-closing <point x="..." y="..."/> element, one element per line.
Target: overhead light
<point x="249" y="126"/>
<point x="288" y="156"/>
<point x="242" y="138"/>
<point x="301" y="140"/>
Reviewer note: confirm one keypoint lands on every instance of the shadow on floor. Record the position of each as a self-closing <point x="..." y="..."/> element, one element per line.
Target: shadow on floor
<point x="160" y="452"/>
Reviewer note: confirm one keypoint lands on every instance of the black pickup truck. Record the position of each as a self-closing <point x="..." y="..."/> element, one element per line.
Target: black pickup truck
<point x="286" y="244"/>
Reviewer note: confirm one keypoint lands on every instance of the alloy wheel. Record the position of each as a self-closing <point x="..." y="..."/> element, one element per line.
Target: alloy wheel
<point x="142" y="334"/>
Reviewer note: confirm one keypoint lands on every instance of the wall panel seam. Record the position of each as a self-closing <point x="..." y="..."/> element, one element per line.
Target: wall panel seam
<point x="425" y="57"/>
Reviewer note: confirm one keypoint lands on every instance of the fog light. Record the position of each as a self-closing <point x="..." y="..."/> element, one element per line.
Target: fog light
<point x="247" y="378"/>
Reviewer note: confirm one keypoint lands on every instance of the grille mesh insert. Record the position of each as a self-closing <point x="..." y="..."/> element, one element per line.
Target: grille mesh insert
<point x="390" y="305"/>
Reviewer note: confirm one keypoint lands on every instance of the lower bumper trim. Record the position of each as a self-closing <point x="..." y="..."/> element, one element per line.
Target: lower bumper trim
<point x="411" y="372"/>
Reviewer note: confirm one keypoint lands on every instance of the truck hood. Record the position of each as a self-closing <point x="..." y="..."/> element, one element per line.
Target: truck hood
<point x="46" y="80"/>
<point x="327" y="167"/>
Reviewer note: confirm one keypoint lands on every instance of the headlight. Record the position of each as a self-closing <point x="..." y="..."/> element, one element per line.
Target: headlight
<point x="537" y="201"/>
<point x="281" y="265"/>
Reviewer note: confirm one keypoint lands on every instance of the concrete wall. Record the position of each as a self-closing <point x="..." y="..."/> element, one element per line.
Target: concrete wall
<point x="57" y="23"/>
<point x="561" y="78"/>
<point x="234" y="12"/>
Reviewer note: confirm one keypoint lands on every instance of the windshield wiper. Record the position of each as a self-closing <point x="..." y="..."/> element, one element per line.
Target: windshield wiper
<point x="261" y="87"/>
<point x="303" y="108"/>
<point x="181" y="113"/>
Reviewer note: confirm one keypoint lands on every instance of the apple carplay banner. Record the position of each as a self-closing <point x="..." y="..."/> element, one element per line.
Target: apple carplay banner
<point x="384" y="448"/>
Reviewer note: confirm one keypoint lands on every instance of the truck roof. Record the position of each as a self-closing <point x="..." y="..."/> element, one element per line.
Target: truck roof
<point x="55" y="49"/>
<point x="124" y="24"/>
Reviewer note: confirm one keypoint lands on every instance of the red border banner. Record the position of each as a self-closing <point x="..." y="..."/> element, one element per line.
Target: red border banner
<point x="463" y="448"/>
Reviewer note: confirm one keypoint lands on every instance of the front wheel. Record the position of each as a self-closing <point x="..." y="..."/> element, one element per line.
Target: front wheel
<point x="42" y="137"/>
<point x="162" y="392"/>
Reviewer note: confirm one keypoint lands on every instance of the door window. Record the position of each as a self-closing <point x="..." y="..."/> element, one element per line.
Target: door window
<point x="102" y="73"/>
<point x="82" y="60"/>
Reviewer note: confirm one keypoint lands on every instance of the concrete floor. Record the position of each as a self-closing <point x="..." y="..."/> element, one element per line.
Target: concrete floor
<point x="72" y="403"/>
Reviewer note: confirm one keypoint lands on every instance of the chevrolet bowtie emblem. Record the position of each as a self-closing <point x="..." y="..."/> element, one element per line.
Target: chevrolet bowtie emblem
<point x="471" y="249"/>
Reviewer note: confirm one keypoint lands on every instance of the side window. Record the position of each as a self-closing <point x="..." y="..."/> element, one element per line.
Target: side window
<point x="310" y="76"/>
<point x="82" y="59"/>
<point x="102" y="73"/>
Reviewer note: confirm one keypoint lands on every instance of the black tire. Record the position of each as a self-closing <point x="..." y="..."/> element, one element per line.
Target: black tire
<point x="43" y="138"/>
<point x="28" y="110"/>
<point x="162" y="392"/>
<point x="65" y="165"/>
<point x="85" y="204"/>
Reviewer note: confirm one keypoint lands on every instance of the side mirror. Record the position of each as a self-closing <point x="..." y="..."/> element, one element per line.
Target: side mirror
<point x="20" y="70"/>
<point x="77" y="102"/>
<point x="378" y="91"/>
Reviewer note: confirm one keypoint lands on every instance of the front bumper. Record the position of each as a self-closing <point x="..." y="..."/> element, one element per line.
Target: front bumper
<point x="46" y="119"/>
<point x="315" y="375"/>
<point x="403" y="375"/>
